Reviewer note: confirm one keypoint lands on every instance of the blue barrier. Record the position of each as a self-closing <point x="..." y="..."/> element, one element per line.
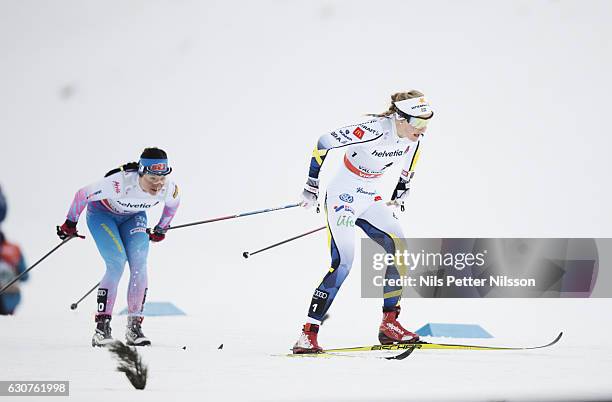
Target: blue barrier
<point x="153" y="309"/>
<point x="454" y="330"/>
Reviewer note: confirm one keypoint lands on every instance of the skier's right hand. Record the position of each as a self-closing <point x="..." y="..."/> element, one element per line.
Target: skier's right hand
<point x="310" y="193"/>
<point x="68" y="229"/>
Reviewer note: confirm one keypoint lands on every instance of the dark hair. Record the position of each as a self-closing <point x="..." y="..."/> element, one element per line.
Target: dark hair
<point x="154" y="153"/>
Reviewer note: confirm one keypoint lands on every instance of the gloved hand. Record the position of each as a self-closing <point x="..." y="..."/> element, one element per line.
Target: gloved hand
<point x="310" y="193"/>
<point x="68" y="229"/>
<point x="158" y="234"/>
<point x="400" y="194"/>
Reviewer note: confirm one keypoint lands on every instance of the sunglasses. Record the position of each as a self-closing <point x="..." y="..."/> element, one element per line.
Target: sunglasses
<point x="416" y="122"/>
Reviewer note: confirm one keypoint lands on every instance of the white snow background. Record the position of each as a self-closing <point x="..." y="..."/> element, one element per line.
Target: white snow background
<point x="237" y="93"/>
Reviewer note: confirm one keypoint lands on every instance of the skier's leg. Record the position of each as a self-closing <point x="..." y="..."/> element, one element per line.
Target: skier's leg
<point x="381" y="225"/>
<point x="105" y="232"/>
<point x="341" y="243"/>
<point x="136" y="239"/>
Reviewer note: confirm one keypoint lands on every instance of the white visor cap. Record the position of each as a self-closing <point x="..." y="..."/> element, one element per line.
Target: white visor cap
<point x="414" y="107"/>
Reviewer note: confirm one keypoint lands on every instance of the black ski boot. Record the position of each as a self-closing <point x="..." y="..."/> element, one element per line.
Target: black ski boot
<point x="102" y="336"/>
<point x="133" y="333"/>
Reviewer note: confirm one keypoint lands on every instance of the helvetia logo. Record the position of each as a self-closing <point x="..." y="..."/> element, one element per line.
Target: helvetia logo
<point x="383" y="154"/>
<point x="141" y="205"/>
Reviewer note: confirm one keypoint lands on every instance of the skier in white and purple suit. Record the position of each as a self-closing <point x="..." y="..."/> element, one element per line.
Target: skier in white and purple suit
<point x="353" y="199"/>
<point x="117" y="221"/>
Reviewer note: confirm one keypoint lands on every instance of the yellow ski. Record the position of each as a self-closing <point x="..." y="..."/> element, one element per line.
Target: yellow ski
<point x="427" y="345"/>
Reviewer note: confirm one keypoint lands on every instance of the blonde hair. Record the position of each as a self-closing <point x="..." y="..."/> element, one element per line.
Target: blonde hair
<point x="396" y="97"/>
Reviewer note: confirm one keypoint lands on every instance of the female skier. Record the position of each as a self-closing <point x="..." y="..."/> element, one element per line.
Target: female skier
<point x="352" y="199"/>
<point x="117" y="221"/>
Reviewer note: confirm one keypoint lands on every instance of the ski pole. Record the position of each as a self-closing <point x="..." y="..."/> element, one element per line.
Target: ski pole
<point x="38" y="262"/>
<point x="247" y="254"/>
<point x="73" y="306"/>
<point x="240" y="215"/>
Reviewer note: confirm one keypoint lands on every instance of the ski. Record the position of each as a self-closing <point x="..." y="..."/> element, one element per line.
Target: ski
<point x="427" y="345"/>
<point x="324" y="355"/>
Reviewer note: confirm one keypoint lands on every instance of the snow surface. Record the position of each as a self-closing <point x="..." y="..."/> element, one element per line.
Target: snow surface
<point x="237" y="92"/>
<point x="57" y="348"/>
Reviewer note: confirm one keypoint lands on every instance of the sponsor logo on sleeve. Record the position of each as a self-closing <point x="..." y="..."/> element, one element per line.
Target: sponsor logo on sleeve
<point x="116" y="186"/>
<point x="337" y="138"/>
<point x="176" y="191"/>
<point x="358" y="132"/>
<point x="94" y="194"/>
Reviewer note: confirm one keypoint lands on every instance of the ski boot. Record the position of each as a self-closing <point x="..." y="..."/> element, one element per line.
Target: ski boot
<point x="102" y="336"/>
<point x="391" y="331"/>
<point x="308" y="340"/>
<point x="133" y="333"/>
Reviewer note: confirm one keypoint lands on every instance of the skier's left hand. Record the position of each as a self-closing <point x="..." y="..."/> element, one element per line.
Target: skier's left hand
<point x="400" y="194"/>
<point x="157" y="234"/>
<point x="67" y="230"/>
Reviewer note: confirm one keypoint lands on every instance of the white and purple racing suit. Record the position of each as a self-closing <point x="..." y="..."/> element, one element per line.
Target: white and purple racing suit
<point x="117" y="221"/>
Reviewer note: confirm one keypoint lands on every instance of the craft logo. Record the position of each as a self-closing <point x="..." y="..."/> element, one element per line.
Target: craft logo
<point x="116" y="186"/>
<point x="358" y="133"/>
<point x="158" y="167"/>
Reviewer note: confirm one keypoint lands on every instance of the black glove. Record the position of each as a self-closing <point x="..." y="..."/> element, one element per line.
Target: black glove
<point x="400" y="193"/>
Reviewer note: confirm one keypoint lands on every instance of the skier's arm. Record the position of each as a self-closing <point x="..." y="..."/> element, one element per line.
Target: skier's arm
<point x="403" y="184"/>
<point x="110" y="187"/>
<point x="172" y="202"/>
